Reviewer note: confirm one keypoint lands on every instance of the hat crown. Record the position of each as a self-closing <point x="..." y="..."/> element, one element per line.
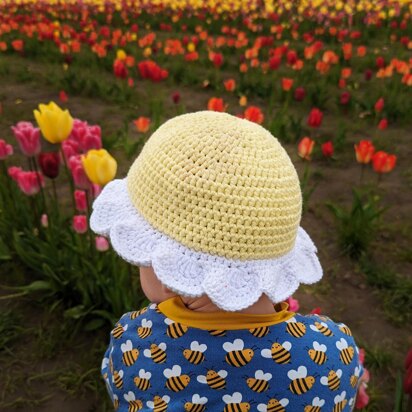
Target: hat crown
<point x="220" y="185"/>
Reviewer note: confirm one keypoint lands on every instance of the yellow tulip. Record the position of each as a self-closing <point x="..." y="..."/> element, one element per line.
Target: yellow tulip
<point x="100" y="166"/>
<point x="55" y="124"/>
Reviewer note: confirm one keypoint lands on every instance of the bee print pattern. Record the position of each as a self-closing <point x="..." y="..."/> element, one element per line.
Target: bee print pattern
<point x="176" y="382"/>
<point x="301" y="382"/>
<point x="156" y="352"/>
<point x="332" y="381"/>
<point x="346" y="352"/>
<point x="134" y="404"/>
<point x="234" y="403"/>
<point x="175" y="330"/>
<point x="217" y="332"/>
<point x="321" y="327"/>
<point x="118" y="331"/>
<point x="195" y="354"/>
<point x="215" y="380"/>
<point x="274" y="405"/>
<point x="280" y="353"/>
<point x="136" y="313"/>
<point x="315" y="406"/>
<point x="259" y="332"/>
<point x="159" y="403"/>
<point x="237" y="356"/>
<point x="197" y="405"/>
<point x="117" y="379"/>
<point x="318" y="353"/>
<point x="355" y="377"/>
<point x="145" y="330"/>
<point x="260" y="383"/>
<point x="143" y="380"/>
<point x="340" y="402"/>
<point x="130" y="354"/>
<point x="295" y="328"/>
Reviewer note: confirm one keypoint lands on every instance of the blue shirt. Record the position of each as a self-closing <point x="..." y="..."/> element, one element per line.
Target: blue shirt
<point x="162" y="358"/>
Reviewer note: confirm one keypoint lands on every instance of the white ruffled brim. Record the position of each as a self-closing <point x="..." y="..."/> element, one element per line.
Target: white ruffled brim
<point x="231" y="284"/>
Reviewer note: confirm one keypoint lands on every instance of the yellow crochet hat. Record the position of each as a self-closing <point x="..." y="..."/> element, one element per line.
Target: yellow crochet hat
<point x="213" y="203"/>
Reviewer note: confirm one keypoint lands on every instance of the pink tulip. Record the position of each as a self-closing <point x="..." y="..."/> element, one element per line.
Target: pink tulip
<point x="102" y="244"/>
<point x="96" y="190"/>
<point x="28" y="138"/>
<point x="79" y="175"/>
<point x="79" y="130"/>
<point x="85" y="136"/>
<point x="70" y="148"/>
<point x="361" y="355"/>
<point x="30" y="182"/>
<point x="293" y="304"/>
<point x="14" y="171"/>
<point x="362" y="399"/>
<point x="80" y="224"/>
<point x="81" y="200"/>
<point x="44" y="220"/>
<point x="6" y="150"/>
<point x="91" y="141"/>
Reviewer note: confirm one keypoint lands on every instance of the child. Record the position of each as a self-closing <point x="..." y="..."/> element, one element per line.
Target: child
<point x="210" y="211"/>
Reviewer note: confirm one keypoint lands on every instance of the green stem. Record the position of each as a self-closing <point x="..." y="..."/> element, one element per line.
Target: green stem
<point x="70" y="180"/>
<point x="36" y="169"/>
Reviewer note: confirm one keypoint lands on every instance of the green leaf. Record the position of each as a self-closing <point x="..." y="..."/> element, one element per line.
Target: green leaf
<point x="94" y="324"/>
<point x="38" y="285"/>
<point x="76" y="312"/>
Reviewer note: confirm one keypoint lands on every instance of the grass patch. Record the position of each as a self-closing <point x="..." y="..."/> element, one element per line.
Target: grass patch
<point x="10" y="328"/>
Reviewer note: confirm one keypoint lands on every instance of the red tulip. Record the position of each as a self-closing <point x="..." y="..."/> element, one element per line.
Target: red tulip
<point x="176" y="97"/>
<point x="345" y="98"/>
<point x="80" y="224"/>
<point x="291" y="57"/>
<point x="230" y="85"/>
<point x="217" y="59"/>
<point x="379" y="105"/>
<point x="315" y="118"/>
<point x="383" y="162"/>
<point x="327" y="149"/>
<point x="119" y="69"/>
<point x="80" y="200"/>
<point x="368" y="74"/>
<point x="254" y="114"/>
<point x="28" y="138"/>
<point x="305" y="148"/>
<point x="148" y="69"/>
<point x="30" y="182"/>
<point x="408" y="359"/>
<point x="63" y="96"/>
<point x="316" y="311"/>
<point x="216" y="104"/>
<point x="299" y="94"/>
<point x="364" y="151"/>
<point x="286" y="84"/>
<point x="6" y="150"/>
<point x="142" y="124"/>
<point x="49" y="164"/>
<point x="274" y="62"/>
<point x="383" y="124"/>
<point x="380" y="62"/>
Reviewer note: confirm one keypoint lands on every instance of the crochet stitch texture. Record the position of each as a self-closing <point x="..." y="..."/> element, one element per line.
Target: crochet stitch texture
<point x="220" y="185"/>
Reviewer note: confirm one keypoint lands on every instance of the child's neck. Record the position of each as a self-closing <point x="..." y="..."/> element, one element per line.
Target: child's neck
<point x="204" y="304"/>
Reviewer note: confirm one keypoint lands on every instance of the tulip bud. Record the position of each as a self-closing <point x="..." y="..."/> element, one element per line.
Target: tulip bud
<point x="176" y="97"/>
<point x="142" y="124"/>
<point x="80" y="224"/>
<point x="345" y="98"/>
<point x="102" y="244"/>
<point x="327" y="149"/>
<point x="368" y="74"/>
<point x="305" y="148"/>
<point x="49" y="164"/>
<point x="383" y="124"/>
<point x="99" y="166"/>
<point x="315" y="118"/>
<point x="379" y="105"/>
<point x="316" y="311"/>
<point x="80" y="200"/>
<point x="6" y="150"/>
<point x="299" y="94"/>
<point x="44" y="220"/>
<point x="78" y="173"/>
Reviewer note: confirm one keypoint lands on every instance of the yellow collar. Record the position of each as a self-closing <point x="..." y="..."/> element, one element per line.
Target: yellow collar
<point x="176" y="310"/>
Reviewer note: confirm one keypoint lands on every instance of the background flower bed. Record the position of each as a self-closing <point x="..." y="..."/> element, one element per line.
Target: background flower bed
<point x="370" y="294"/>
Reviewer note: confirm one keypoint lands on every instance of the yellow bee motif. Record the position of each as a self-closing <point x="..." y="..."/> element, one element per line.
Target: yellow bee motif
<point x="174" y="329"/>
<point x="317" y="354"/>
<point x="321" y="327"/>
<point x="137" y="313"/>
<point x="237" y="356"/>
<point x="260" y="332"/>
<point x="355" y="377"/>
<point x="118" y="330"/>
<point x="234" y="403"/>
<point x="343" y="328"/>
<point x="146" y="329"/>
<point x="295" y="329"/>
<point x="260" y="382"/>
<point x="274" y="405"/>
<point x="156" y="352"/>
<point x="316" y="405"/>
<point x="280" y="353"/>
<point x="217" y="332"/>
<point x="215" y="380"/>
<point x="117" y="379"/>
<point x="176" y="382"/>
<point x="143" y="380"/>
<point x="332" y="380"/>
<point x="301" y="383"/>
<point x="340" y="402"/>
<point x="159" y="404"/>
<point x="115" y="402"/>
<point x="197" y="405"/>
<point x="134" y="404"/>
<point x="130" y="354"/>
<point x="346" y="352"/>
<point x="195" y="354"/>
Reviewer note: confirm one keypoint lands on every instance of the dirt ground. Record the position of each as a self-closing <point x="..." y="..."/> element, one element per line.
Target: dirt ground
<point x="343" y="294"/>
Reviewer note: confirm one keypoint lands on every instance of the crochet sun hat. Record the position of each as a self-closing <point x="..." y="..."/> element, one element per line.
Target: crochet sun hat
<point x="213" y="203"/>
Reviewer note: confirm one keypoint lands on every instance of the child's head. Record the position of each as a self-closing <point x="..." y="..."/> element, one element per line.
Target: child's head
<point x="213" y="204"/>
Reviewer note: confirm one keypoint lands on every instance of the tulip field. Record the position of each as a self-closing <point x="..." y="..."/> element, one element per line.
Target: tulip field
<point x="83" y="84"/>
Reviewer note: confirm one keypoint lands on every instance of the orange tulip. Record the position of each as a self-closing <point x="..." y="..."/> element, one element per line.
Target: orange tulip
<point x="254" y="114"/>
<point x="364" y="151"/>
<point x="287" y="84"/>
<point x="142" y="124"/>
<point x="346" y="72"/>
<point x="361" y="51"/>
<point x="216" y="104"/>
<point x="383" y="162"/>
<point x="243" y="101"/>
<point x="230" y="85"/>
<point x="305" y="148"/>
